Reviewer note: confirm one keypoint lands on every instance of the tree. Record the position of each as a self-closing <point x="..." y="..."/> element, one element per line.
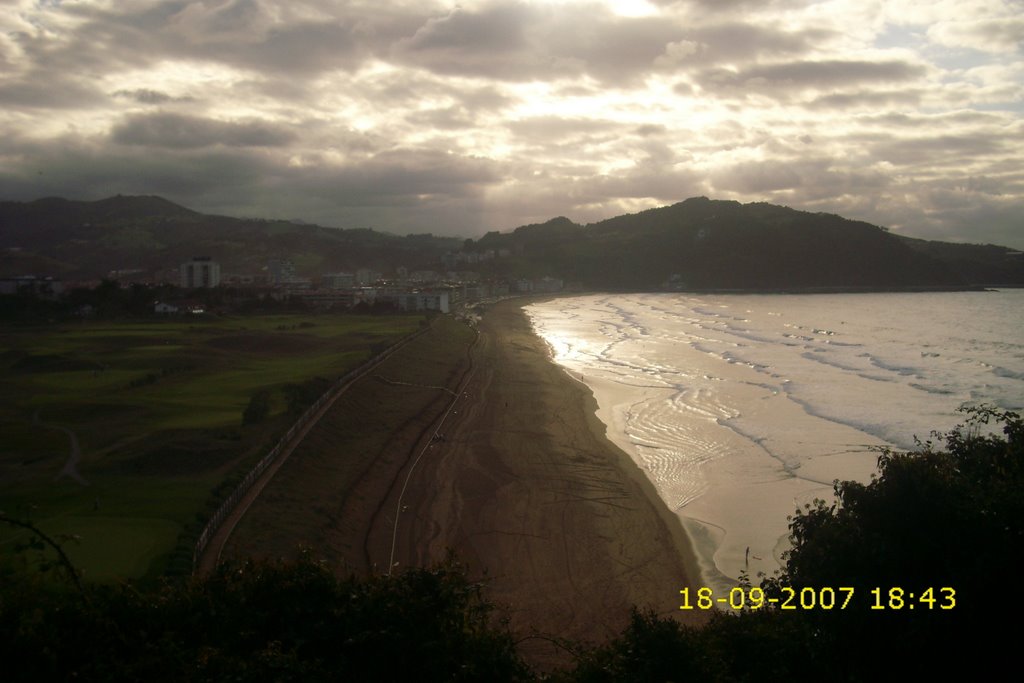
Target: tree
<point x="258" y="408"/>
<point x="261" y="621"/>
<point x="933" y="519"/>
<point x="931" y="547"/>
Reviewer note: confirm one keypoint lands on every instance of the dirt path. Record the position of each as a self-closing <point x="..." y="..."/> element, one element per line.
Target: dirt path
<point x="70" y="468"/>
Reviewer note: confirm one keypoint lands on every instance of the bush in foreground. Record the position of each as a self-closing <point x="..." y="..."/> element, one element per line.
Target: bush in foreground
<point x="260" y="622"/>
<point x="931" y="548"/>
<point x="941" y="530"/>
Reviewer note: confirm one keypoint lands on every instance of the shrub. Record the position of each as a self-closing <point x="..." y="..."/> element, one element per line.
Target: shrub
<point x="258" y="409"/>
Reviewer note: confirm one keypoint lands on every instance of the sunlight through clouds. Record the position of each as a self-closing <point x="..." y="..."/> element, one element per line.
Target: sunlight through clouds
<point x="888" y="111"/>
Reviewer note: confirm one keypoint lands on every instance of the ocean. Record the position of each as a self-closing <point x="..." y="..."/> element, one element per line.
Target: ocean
<point x="742" y="408"/>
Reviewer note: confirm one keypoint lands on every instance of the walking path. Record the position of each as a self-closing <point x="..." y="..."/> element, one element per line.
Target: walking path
<point x="70" y="468"/>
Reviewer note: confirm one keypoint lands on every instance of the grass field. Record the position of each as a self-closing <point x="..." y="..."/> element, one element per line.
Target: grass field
<point x="156" y="408"/>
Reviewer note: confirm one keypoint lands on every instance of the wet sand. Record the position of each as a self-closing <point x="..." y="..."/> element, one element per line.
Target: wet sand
<point x="526" y="487"/>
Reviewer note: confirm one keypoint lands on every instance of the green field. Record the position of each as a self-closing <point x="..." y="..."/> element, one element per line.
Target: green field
<point x="156" y="408"/>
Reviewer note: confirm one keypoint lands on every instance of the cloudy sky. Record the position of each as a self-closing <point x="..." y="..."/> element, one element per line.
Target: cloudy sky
<point x="467" y="116"/>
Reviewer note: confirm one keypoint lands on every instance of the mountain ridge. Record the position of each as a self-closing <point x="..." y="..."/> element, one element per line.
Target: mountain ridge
<point x="698" y="243"/>
<point x="702" y="243"/>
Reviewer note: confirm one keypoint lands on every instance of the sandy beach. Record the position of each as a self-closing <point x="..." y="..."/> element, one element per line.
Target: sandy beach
<point x="526" y="489"/>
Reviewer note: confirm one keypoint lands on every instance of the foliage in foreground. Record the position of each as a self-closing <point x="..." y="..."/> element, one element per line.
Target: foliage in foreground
<point x="260" y="621"/>
<point x="931" y="519"/>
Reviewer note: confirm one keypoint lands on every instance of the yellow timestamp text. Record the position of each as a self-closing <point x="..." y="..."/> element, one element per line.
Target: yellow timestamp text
<point x="896" y="598"/>
<point x="825" y="598"/>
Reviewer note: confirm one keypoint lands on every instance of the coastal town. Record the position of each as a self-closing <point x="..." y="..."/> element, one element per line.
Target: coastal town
<point x="200" y="285"/>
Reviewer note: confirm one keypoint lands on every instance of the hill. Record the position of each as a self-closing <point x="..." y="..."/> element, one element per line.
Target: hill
<point x="707" y="244"/>
<point x="696" y="244"/>
<point x="77" y="239"/>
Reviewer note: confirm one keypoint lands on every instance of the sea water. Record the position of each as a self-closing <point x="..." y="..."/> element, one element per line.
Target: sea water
<point x="742" y="408"/>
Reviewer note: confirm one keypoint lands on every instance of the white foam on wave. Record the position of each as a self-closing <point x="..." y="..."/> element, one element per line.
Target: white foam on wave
<point x="742" y="408"/>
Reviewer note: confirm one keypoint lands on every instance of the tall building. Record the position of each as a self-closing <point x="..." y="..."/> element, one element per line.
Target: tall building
<point x="201" y="271"/>
<point x="281" y="271"/>
<point x="424" y="301"/>
<point x="365" y="276"/>
<point x="338" y="280"/>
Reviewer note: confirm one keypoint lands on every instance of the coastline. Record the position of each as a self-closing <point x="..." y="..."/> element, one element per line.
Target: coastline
<point x="742" y="409"/>
<point x="521" y="482"/>
<point x="599" y="419"/>
<point x="530" y="492"/>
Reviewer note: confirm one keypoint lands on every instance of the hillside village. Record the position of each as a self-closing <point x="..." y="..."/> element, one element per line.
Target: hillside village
<point x="146" y="255"/>
<point x="200" y="286"/>
<point x="404" y="290"/>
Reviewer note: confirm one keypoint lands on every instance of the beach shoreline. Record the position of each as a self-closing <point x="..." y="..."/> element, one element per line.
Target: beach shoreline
<point x="529" y="489"/>
<point x="520" y="481"/>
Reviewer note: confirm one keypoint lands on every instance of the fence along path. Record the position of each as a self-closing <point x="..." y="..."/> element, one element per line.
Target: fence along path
<point x="222" y="523"/>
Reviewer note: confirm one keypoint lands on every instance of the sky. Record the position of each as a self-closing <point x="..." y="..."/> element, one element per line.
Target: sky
<point x="458" y="118"/>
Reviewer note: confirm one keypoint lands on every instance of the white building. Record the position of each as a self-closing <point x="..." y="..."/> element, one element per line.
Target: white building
<point x="45" y="288"/>
<point x="365" y="276"/>
<point x="548" y="284"/>
<point x="338" y="280"/>
<point x="424" y="276"/>
<point x="164" y="308"/>
<point x="424" y="301"/>
<point x="201" y="271"/>
<point x="280" y="271"/>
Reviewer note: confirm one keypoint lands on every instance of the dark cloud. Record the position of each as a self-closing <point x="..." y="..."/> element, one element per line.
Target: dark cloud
<point x="147" y="96"/>
<point x="650" y="129"/>
<point x="938" y="150"/>
<point x="176" y="131"/>
<point x="584" y="191"/>
<point x="489" y="42"/>
<point x="408" y="186"/>
<point x="703" y="6"/>
<point x="562" y="129"/>
<point x="518" y="42"/>
<point x="746" y="40"/>
<point x="398" y="175"/>
<point x="72" y="168"/>
<point x="823" y="184"/>
<point x="780" y="79"/>
<point x="612" y="49"/>
<point x="245" y="34"/>
<point x="953" y="212"/>
<point x="38" y="90"/>
<point x="963" y="120"/>
<point x="484" y="98"/>
<point x="447" y="118"/>
<point x="412" y="88"/>
<point x="664" y="183"/>
<point x="500" y="27"/>
<point x="382" y="113"/>
<point x="868" y="100"/>
<point x="758" y="178"/>
<point x="1003" y="32"/>
<point x="515" y="41"/>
